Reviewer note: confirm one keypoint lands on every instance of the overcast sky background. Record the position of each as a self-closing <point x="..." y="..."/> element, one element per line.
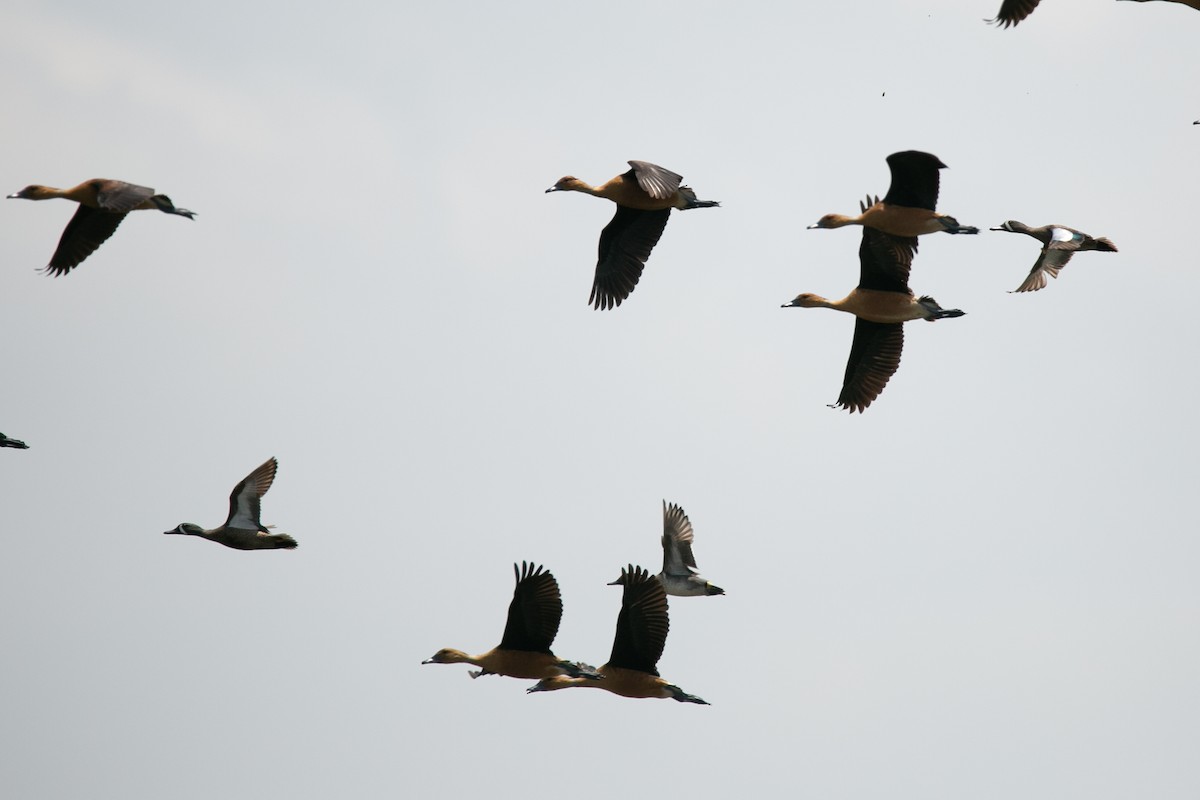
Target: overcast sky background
<point x="983" y="587"/>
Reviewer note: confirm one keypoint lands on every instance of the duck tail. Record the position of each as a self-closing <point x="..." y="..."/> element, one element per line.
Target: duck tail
<point x="164" y="204"/>
<point x="689" y="197"/>
<point x="284" y="542"/>
<point x="950" y="224"/>
<point x="684" y="697"/>
<point x="936" y="312"/>
<point x="1105" y="245"/>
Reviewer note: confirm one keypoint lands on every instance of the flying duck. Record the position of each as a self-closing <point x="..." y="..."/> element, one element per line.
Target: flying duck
<point x="679" y="575"/>
<point x="644" y="196"/>
<point x="242" y="529"/>
<point x="642" y="628"/>
<point x="1059" y="243"/>
<point x="524" y="651"/>
<point x="908" y="207"/>
<point x="14" y="443"/>
<point x="882" y="302"/>
<point x="102" y="205"/>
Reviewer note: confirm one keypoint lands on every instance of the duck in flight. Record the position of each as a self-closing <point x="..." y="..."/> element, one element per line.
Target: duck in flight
<point x="642" y="625"/>
<point x="680" y="576"/>
<point x="882" y="303"/>
<point x="14" y="443"/>
<point x="644" y="196"/>
<point x="1059" y="243"/>
<point x="524" y="651"/>
<point x="103" y="204"/>
<point x="242" y="529"/>
<point x="907" y="210"/>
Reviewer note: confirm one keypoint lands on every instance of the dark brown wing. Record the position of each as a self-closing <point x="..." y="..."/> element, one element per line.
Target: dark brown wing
<point x="535" y="611"/>
<point x="874" y="358"/>
<point x="87" y="230"/>
<point x="1013" y="11"/>
<point x="884" y="261"/>
<point x="120" y="197"/>
<point x="658" y="182"/>
<point x="625" y="244"/>
<point x="245" y="501"/>
<point x="914" y="179"/>
<point x="642" y="624"/>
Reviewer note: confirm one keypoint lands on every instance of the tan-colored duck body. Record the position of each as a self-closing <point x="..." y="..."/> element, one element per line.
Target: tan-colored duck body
<point x="882" y="302"/>
<point x="632" y="683"/>
<point x="1059" y="243"/>
<point x="642" y="626"/>
<point x="644" y="197"/>
<point x="524" y="651"/>
<point x="502" y="661"/>
<point x="103" y="203"/>
<point x="876" y="306"/>
<point x="907" y="210"/>
<point x="243" y="530"/>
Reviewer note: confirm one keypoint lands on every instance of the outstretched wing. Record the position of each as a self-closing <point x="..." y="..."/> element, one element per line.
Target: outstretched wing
<point x="1049" y="262"/>
<point x="1013" y="11"/>
<point x="642" y="624"/>
<point x="658" y="182"/>
<point x="88" y="229"/>
<point x="874" y="359"/>
<point x="677" y="542"/>
<point x="625" y="244"/>
<point x="535" y="611"/>
<point x="120" y="197"/>
<point x="246" y="499"/>
<point x="884" y="261"/>
<point x="914" y="179"/>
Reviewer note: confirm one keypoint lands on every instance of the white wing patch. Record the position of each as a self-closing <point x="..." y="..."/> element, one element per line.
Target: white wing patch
<point x="1061" y="235"/>
<point x="246" y="515"/>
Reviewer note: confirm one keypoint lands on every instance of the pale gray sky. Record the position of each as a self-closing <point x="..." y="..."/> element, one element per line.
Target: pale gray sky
<point x="985" y="587"/>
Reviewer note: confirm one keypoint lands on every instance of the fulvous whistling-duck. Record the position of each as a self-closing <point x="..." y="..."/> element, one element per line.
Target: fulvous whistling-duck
<point x="882" y="302"/>
<point x="1013" y="11"/>
<point x="14" y="443"/>
<point x="679" y="575"/>
<point x="524" y="651"/>
<point x="242" y="529"/>
<point x="1059" y="243"/>
<point x="644" y="196"/>
<point x="908" y="207"/>
<point x="642" y="628"/>
<point x="102" y="205"/>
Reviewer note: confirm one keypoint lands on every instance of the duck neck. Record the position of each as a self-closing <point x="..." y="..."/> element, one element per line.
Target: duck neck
<point x="841" y="221"/>
<point x="820" y="302"/>
<point x="577" y="185"/>
<point x="50" y="193"/>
